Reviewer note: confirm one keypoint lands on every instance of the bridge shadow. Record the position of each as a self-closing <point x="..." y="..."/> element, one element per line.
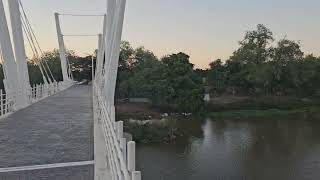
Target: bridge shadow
<point x="58" y="129"/>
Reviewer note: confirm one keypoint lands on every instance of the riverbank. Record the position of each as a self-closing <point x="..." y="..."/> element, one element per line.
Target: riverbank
<point x="141" y="111"/>
<point x="268" y="113"/>
<point x="230" y="103"/>
<point x="148" y="124"/>
<point x="262" y="107"/>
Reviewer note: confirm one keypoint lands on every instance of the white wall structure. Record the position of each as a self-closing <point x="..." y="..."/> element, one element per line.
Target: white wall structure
<point x="62" y="50"/>
<point x="19" y="50"/>
<point x="11" y="80"/>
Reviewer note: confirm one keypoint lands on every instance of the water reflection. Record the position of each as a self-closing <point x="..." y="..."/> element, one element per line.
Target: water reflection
<point x="265" y="149"/>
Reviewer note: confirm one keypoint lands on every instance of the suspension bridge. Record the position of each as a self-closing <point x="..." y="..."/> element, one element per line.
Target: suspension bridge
<point x="60" y="130"/>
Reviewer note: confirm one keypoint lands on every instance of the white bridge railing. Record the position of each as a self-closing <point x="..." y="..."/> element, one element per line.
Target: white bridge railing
<point x="120" y="153"/>
<point x="36" y="93"/>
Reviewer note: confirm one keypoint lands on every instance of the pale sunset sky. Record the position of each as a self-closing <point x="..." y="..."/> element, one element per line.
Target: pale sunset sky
<point x="204" y="29"/>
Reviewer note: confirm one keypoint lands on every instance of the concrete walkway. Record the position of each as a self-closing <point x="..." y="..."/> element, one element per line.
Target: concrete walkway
<point x="58" y="129"/>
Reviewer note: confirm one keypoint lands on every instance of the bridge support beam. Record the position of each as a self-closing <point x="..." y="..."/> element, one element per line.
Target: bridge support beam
<point x="114" y="51"/>
<point x="19" y="51"/>
<point x="101" y="53"/>
<point x="62" y="50"/>
<point x="110" y="21"/>
<point x="11" y="81"/>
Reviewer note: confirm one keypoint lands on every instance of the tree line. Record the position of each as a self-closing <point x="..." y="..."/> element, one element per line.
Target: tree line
<point x="260" y="66"/>
<point x="81" y="67"/>
<point x="170" y="82"/>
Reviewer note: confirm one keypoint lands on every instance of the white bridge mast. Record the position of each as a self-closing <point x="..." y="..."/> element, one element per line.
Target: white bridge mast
<point x="19" y="51"/>
<point x="62" y="50"/>
<point x="11" y="81"/>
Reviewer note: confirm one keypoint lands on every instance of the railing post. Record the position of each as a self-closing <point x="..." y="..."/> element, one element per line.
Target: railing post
<point x="123" y="146"/>
<point x="34" y="96"/>
<point x="31" y="95"/>
<point x="131" y="156"/>
<point x="6" y="107"/>
<point x="35" y="92"/>
<point x="113" y="114"/>
<point x="1" y="99"/>
<point x="42" y="91"/>
<point x="46" y="91"/>
<point x="38" y="91"/>
<point x="136" y="175"/>
<point x="119" y="130"/>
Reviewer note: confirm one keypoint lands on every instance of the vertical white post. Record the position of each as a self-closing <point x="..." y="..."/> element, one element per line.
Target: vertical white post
<point x="120" y="130"/>
<point x="33" y="93"/>
<point x="62" y="49"/>
<point x="42" y="90"/>
<point x="123" y="146"/>
<point x="99" y="59"/>
<point x="1" y="102"/>
<point x="136" y="175"/>
<point x="10" y="68"/>
<point x="38" y="91"/>
<point x="7" y="106"/>
<point x="92" y="69"/>
<point x="19" y="51"/>
<point x="100" y="151"/>
<point x="113" y="114"/>
<point x="131" y="156"/>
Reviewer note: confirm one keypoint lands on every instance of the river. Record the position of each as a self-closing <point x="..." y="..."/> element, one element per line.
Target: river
<point x="278" y="149"/>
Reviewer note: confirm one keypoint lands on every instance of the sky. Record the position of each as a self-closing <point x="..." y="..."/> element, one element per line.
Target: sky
<point x="204" y="29"/>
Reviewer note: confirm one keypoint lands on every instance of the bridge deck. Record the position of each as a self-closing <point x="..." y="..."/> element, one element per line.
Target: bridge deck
<point x="58" y="129"/>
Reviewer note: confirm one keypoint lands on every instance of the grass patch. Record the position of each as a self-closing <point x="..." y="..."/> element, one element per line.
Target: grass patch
<point x="263" y="103"/>
<point x="152" y="132"/>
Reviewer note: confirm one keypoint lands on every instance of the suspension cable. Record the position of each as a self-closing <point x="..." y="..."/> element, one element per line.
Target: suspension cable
<point x="34" y="43"/>
<point x="31" y="41"/>
<point x="33" y="48"/>
<point x="36" y="60"/>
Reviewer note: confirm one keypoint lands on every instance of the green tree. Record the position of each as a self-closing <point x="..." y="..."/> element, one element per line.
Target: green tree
<point x="254" y="48"/>
<point x="217" y="76"/>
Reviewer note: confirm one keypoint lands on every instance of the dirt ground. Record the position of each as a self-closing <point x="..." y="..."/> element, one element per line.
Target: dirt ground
<point x="227" y="99"/>
<point x="136" y="110"/>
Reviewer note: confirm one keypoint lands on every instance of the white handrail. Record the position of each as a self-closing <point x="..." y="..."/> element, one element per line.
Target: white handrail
<point x="115" y="144"/>
<point x="36" y="93"/>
